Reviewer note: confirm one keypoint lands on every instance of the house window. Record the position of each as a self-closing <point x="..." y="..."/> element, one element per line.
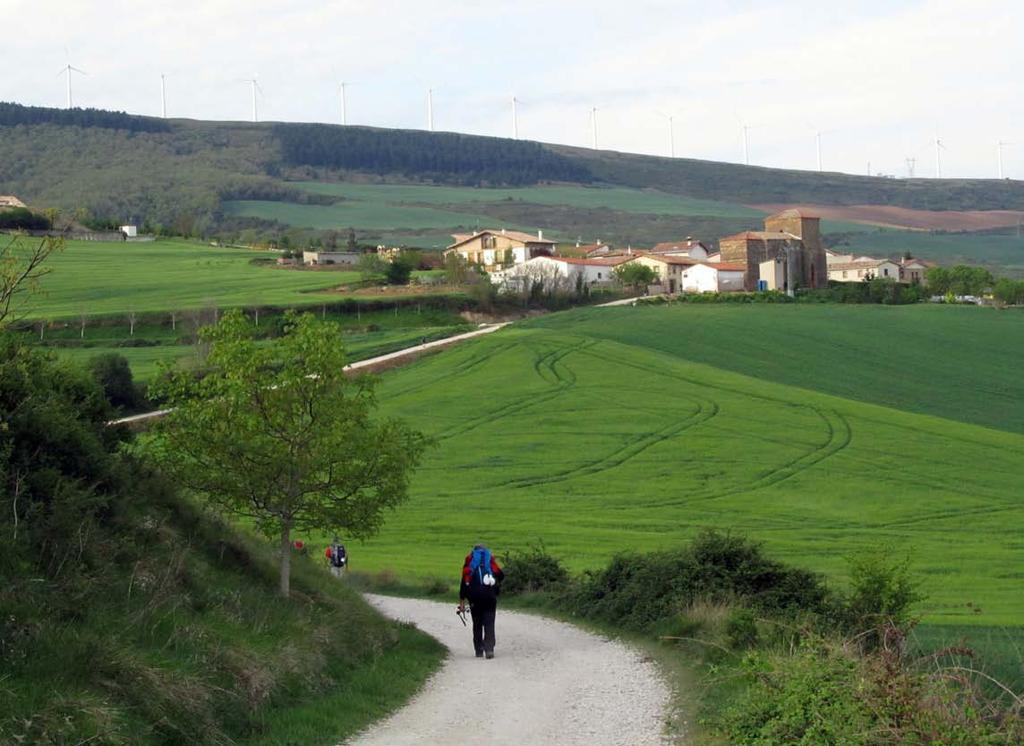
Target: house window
<point x="599" y="275"/>
<point x="844" y="273"/>
<point x="885" y="271"/>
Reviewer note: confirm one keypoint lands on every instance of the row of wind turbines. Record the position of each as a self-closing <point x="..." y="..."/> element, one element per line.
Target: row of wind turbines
<point x="745" y="128"/>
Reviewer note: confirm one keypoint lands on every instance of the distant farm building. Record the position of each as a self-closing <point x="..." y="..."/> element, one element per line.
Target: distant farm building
<point x="130" y="231"/>
<point x="493" y="249"/>
<point x="314" y="258"/>
<point x="858" y="268"/>
<point x="864" y="269"/>
<point x="388" y="253"/>
<point x="9" y="200"/>
<point x="786" y="255"/>
<point x="681" y="274"/>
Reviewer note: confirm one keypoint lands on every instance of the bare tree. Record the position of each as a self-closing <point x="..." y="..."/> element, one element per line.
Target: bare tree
<point x="21" y="267"/>
<point x="83" y="317"/>
<point x="132" y="318"/>
<point x="174" y="321"/>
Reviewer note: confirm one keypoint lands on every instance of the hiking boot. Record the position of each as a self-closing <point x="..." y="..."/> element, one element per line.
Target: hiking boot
<point x="480" y="654"/>
<point x="490" y="655"/>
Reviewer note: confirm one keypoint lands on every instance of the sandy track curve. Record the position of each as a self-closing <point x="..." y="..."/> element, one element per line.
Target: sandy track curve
<point x="549" y="683"/>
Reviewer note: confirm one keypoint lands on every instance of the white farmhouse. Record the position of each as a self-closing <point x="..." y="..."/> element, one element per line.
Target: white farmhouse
<point x="863" y="268"/>
<point x="557" y="272"/>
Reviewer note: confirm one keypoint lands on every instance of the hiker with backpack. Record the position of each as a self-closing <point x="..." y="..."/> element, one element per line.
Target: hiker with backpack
<point x="337" y="557"/>
<point x="481" y="584"/>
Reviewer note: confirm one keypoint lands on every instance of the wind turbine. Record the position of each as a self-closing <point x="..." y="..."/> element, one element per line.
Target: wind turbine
<point x="515" y="118"/>
<point x="671" y="133"/>
<point x="999" y="155"/>
<point x="746" y="140"/>
<point x="593" y="126"/>
<point x="939" y="147"/>
<point x="163" y="95"/>
<point x="341" y="92"/>
<point x="430" y="109"/>
<point x="254" y="83"/>
<point x="67" y="70"/>
<point x="817" y="141"/>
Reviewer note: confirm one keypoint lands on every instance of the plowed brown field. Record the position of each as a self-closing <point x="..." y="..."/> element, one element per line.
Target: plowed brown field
<point x="903" y="217"/>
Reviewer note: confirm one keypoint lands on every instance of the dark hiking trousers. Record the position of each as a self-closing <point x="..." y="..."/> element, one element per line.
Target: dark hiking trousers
<point x="483" y="626"/>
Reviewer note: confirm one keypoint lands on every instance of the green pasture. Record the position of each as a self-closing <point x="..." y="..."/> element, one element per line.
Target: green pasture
<point x="96" y="278"/>
<point x="617" y="198"/>
<point x="958" y="362"/>
<point x="146" y="362"/>
<point x="595" y="447"/>
<point x="368" y="334"/>
<point x="362" y="215"/>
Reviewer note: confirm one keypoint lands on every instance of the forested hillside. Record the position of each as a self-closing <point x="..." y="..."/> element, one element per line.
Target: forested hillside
<point x="435" y="156"/>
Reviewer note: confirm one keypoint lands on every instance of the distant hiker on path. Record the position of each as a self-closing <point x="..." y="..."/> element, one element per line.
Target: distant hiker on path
<point x="481" y="584"/>
<point x="337" y="557"/>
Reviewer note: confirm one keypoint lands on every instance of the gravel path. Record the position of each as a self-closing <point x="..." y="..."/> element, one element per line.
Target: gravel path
<point x="549" y="683"/>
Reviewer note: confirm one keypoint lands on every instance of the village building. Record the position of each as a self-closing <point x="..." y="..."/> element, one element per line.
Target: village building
<point x="786" y="255"/>
<point x="688" y="247"/>
<point x="914" y="271"/>
<point x="493" y="249"/>
<point x="388" y="253"/>
<point x="9" y="200"/>
<point x="864" y="268"/>
<point x="320" y="258"/>
<point x="558" y="271"/>
<point x="681" y="274"/>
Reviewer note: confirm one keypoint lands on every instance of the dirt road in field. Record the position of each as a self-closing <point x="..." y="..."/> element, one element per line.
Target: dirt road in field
<point x="549" y="683"/>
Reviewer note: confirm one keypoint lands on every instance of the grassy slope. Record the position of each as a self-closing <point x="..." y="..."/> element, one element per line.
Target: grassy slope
<point x="596" y="447"/>
<point x="192" y="645"/>
<point x="962" y="363"/>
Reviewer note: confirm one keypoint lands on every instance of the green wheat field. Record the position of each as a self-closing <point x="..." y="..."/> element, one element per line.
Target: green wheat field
<point x="557" y="432"/>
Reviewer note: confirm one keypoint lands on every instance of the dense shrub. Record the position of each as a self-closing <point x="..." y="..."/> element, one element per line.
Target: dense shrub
<point x="881" y="595"/>
<point x="113" y="374"/>
<point x="826" y="693"/>
<point x="21" y="218"/>
<point x="881" y="290"/>
<point x="766" y="296"/>
<point x="532" y="570"/>
<point x="639" y="591"/>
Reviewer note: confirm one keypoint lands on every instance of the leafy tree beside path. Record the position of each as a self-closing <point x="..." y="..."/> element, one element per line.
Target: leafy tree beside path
<point x="280" y="435"/>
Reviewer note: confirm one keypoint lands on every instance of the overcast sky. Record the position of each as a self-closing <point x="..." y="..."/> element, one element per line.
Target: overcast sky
<point x="880" y="79"/>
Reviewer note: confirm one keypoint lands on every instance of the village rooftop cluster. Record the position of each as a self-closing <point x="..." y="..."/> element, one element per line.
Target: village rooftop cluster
<point x="786" y="255"/>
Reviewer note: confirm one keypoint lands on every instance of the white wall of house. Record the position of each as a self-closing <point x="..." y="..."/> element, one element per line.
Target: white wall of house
<point x="701" y="278"/>
<point x="330" y="257"/>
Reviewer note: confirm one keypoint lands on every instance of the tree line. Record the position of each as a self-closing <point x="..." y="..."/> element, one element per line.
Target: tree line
<point x="441" y="156"/>
<point x="12" y="114"/>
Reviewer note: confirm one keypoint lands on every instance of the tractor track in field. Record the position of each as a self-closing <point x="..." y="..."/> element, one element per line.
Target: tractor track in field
<point x="551" y="362"/>
<point x="839" y="437"/>
<point x="473" y="361"/>
<point x="838" y="428"/>
<point x="704" y="412"/>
